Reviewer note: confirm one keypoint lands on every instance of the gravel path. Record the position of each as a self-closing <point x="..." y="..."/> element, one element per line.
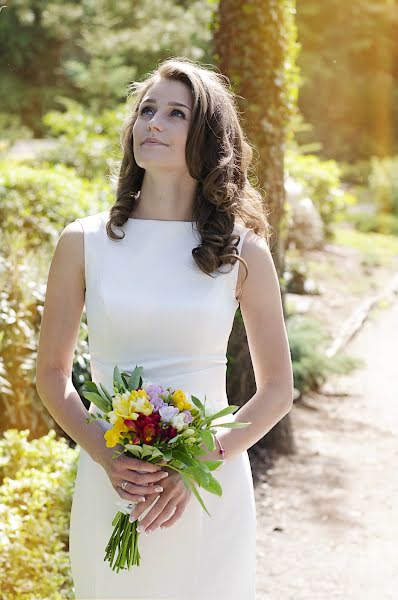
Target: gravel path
<point x="328" y="515"/>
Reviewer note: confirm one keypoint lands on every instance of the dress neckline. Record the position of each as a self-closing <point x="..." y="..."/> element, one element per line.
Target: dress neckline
<point x="160" y="220"/>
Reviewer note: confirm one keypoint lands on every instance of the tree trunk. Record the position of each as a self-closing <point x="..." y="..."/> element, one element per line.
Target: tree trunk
<point x="253" y="45"/>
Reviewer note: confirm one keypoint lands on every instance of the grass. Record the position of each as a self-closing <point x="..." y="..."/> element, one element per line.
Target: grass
<point x="376" y="248"/>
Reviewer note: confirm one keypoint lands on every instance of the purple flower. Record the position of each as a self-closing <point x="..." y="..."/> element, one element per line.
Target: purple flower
<point x="168" y="412"/>
<point x="187" y="416"/>
<point x="153" y="391"/>
<point x="157" y="403"/>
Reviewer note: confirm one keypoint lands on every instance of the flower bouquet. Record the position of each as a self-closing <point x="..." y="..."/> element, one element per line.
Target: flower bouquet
<point x="160" y="425"/>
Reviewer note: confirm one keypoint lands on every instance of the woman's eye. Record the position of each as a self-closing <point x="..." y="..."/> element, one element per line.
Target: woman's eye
<point x="143" y="110"/>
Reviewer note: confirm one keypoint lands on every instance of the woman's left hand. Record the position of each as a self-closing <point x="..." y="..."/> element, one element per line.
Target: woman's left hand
<point x="169" y="506"/>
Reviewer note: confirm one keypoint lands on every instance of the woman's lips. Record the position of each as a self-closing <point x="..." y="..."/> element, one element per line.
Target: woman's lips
<point x="148" y="143"/>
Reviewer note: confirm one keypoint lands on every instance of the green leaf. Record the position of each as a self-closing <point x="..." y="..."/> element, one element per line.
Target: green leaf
<point x="107" y="394"/>
<point x="214" y="486"/>
<point x="225" y="411"/>
<point x="234" y="425"/>
<point x="197" y="403"/>
<point x="192" y="487"/>
<point x="212" y="464"/>
<point x="183" y="457"/>
<point x="146" y="450"/>
<point x="117" y="379"/>
<point x="208" y="438"/>
<point x="105" y="398"/>
<point x="199" y="473"/>
<point x="134" y="449"/>
<point x="97" y="400"/>
<point x="156" y="453"/>
<point x="89" y="386"/>
<point x="134" y="379"/>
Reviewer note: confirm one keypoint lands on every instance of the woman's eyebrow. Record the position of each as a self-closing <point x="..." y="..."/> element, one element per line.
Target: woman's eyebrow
<point x="153" y="101"/>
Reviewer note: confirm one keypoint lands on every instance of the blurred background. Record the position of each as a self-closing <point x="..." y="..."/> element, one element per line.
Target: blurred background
<point x="318" y="90"/>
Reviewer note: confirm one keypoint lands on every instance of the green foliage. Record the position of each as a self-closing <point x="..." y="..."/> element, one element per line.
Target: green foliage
<point x="22" y="281"/>
<point x="356" y="173"/>
<point x="375" y="247"/>
<point x="90" y="51"/>
<point x="311" y="365"/>
<point x="35" y="204"/>
<point x="37" y="482"/>
<point x="295" y="279"/>
<point x="383" y="184"/>
<point x="292" y="75"/>
<point x="321" y="181"/>
<point x="86" y="141"/>
<point x="378" y="223"/>
<point x="42" y="199"/>
<point x="12" y="129"/>
<point x="350" y="84"/>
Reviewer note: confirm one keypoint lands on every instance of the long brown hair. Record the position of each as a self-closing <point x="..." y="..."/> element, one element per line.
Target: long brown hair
<point x="218" y="157"/>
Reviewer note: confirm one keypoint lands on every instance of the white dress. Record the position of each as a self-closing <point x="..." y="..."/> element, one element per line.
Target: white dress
<point x="148" y="304"/>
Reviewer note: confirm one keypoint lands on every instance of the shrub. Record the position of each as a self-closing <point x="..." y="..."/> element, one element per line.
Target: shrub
<point x="383" y="184"/>
<point x="321" y="183"/>
<point x="41" y="200"/>
<point x="311" y="365"/>
<point x="377" y="223"/>
<point x="37" y="482"/>
<point x="22" y="282"/>
<point x="87" y="141"/>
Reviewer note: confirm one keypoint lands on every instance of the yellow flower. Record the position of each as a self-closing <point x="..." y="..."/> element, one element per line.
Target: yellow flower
<point x="181" y="401"/>
<point x="112" y="435"/>
<point x="129" y="404"/>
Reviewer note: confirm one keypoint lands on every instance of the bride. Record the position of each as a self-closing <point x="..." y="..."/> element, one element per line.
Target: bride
<point x="161" y="274"/>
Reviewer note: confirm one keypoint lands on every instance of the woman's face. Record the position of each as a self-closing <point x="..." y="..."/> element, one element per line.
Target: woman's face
<point x="164" y="113"/>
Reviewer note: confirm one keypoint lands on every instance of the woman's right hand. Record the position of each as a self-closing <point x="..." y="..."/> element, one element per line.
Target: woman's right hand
<point x="144" y="478"/>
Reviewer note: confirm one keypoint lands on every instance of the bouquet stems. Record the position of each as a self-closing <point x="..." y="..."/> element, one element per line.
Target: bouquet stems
<point x="124" y="540"/>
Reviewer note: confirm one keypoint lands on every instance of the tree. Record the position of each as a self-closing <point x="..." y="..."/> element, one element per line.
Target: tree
<point x="350" y="61"/>
<point x="255" y="46"/>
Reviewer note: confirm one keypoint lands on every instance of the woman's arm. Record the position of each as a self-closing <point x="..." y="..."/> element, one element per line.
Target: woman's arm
<point x="261" y="308"/>
<point x="59" y="329"/>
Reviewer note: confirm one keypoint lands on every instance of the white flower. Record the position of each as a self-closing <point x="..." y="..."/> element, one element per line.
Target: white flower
<point x="145" y="384"/>
<point x="178" y="421"/>
<point x="125" y="506"/>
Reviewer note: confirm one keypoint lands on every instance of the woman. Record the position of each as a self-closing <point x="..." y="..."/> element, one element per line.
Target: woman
<point x="161" y="282"/>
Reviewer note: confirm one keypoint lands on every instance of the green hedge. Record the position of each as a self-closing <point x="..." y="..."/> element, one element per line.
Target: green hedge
<point x="41" y="200"/>
<point x="37" y="482"/>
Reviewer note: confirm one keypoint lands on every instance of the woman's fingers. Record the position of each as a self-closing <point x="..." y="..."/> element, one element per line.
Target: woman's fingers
<point x="177" y="514"/>
<point x="132" y="491"/>
<point x="143" y="478"/>
<point x="163" y="509"/>
<point x="166" y="510"/>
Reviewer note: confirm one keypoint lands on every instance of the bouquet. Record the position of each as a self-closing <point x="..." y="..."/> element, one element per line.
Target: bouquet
<point x="160" y="425"/>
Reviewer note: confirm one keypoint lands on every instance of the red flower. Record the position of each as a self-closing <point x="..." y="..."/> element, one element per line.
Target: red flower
<point x="149" y="433"/>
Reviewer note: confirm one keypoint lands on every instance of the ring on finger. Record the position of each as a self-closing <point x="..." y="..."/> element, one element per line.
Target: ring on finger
<point x="124" y="484"/>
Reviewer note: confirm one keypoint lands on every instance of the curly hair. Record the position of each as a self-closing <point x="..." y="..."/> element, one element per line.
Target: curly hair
<point x="218" y="157"/>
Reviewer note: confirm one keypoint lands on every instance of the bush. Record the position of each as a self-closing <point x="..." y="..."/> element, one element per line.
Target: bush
<point x="37" y="482"/>
<point x="42" y="200"/>
<point x="321" y="183"/>
<point x="87" y="142"/>
<point x="311" y="365"/>
<point x="22" y="281"/>
<point x="383" y="184"/>
<point x="357" y="173"/>
<point x="377" y="223"/>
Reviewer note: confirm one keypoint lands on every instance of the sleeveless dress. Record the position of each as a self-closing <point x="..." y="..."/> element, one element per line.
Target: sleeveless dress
<point x="148" y="304"/>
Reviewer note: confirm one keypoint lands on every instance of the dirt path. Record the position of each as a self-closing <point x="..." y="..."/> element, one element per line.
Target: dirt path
<point x="328" y="516"/>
